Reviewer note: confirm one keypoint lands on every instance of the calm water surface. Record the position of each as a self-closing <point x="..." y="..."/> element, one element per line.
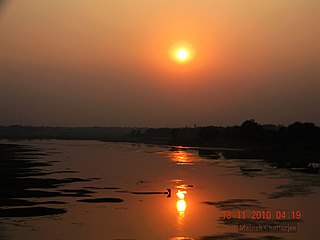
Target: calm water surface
<point x="213" y="186"/>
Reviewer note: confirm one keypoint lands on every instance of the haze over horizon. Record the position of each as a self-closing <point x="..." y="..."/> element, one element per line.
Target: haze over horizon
<point x="107" y="63"/>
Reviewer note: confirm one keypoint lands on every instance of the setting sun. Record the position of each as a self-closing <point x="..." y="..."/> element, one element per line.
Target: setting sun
<point x="182" y="52"/>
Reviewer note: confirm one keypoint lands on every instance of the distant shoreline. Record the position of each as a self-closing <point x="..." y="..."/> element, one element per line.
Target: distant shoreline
<point x="294" y="146"/>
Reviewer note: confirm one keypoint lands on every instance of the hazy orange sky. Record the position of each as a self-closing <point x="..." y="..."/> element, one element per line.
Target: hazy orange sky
<point x="84" y="63"/>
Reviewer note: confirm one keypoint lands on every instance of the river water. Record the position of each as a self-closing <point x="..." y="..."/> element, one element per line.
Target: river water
<point x="133" y="179"/>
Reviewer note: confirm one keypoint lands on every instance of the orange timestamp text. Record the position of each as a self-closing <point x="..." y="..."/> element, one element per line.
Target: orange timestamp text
<point x="262" y="214"/>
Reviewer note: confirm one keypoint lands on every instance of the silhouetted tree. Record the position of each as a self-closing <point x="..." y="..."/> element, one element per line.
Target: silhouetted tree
<point x="209" y="133"/>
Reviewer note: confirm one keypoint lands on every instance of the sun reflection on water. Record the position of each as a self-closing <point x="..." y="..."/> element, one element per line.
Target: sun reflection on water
<point x="181" y="206"/>
<point x="182" y="157"/>
<point x="181" y="238"/>
<point x="180" y="194"/>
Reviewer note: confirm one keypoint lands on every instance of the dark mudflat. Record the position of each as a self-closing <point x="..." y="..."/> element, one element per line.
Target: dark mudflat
<point x="20" y="167"/>
<point x="236" y="204"/>
<point x="21" y="202"/>
<point x="101" y="200"/>
<point x="30" y="212"/>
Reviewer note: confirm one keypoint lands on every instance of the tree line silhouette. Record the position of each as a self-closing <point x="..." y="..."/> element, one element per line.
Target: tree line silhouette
<point x="296" y="145"/>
